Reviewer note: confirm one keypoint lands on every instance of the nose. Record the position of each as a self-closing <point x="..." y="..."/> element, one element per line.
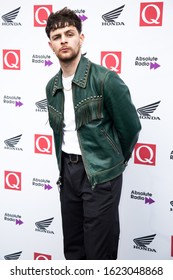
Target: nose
<point x="63" y="39"/>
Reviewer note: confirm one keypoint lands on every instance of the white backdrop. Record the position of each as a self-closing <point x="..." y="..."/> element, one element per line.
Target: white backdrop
<point x="138" y="45"/>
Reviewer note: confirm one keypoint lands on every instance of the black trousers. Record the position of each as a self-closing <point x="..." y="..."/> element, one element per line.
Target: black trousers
<point x="90" y="218"/>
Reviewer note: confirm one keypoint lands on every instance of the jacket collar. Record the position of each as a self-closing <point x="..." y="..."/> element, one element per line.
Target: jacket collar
<point x="80" y="77"/>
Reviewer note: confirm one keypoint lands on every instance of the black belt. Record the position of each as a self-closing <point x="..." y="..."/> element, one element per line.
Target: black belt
<point x="72" y="157"/>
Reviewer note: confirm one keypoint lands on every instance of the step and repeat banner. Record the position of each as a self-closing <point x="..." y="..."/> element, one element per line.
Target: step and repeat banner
<point x="132" y="38"/>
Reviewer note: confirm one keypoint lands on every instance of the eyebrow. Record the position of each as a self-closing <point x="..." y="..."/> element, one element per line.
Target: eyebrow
<point x="67" y="31"/>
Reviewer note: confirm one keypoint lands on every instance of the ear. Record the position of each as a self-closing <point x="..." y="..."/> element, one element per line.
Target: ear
<point x="82" y="37"/>
<point x="50" y="45"/>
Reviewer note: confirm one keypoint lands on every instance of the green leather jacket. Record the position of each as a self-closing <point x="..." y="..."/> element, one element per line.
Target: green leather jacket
<point x="107" y="123"/>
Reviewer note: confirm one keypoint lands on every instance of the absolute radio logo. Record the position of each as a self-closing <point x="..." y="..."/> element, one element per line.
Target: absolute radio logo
<point x="41" y="105"/>
<point x="110" y="18"/>
<point x="146" y="111"/>
<point x="12" y="100"/>
<point x="11" y="143"/>
<point x="151" y="14"/>
<point x="41" y="13"/>
<point x="141" y="243"/>
<point x="145" y="154"/>
<point x="12" y="180"/>
<point x="9" y="18"/>
<point x="143" y="196"/>
<point x="13" y="256"/>
<point x="42" y="226"/>
<point x="11" y="59"/>
<point x="111" y="60"/>
<point x="147" y="61"/>
<point x="15" y="218"/>
<point x="43" y="183"/>
<point x="42" y="59"/>
<point x="43" y="144"/>
<point x="81" y="14"/>
<point x="42" y="257"/>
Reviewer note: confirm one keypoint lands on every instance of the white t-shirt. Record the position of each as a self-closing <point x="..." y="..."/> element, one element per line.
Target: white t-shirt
<point x="70" y="144"/>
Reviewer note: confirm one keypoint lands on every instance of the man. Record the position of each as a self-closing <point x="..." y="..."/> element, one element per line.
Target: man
<point x="95" y="128"/>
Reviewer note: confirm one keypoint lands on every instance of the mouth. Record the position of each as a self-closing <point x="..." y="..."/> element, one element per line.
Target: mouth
<point x="64" y="49"/>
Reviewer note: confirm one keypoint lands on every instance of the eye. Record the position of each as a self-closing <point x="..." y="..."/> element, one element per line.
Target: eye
<point x="56" y="37"/>
<point x="70" y="34"/>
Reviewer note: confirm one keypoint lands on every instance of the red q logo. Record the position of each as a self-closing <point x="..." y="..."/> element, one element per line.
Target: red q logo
<point x="151" y="14"/>
<point x="12" y="180"/>
<point x="41" y="14"/>
<point x="42" y="257"/>
<point x="145" y="154"/>
<point x="43" y="144"/>
<point x="112" y="61"/>
<point x="11" y="59"/>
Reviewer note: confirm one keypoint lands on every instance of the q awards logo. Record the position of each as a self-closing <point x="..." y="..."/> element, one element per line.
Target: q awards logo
<point x="151" y="14"/>
<point x="12" y="180"/>
<point x="11" y="59"/>
<point x="41" y="13"/>
<point x="111" y="60"/>
<point x="43" y="144"/>
<point x="42" y="257"/>
<point x="145" y="154"/>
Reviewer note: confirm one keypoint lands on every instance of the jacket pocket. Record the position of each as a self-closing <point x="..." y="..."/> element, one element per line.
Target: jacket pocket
<point x="110" y="141"/>
<point x="55" y="118"/>
<point x="88" y="110"/>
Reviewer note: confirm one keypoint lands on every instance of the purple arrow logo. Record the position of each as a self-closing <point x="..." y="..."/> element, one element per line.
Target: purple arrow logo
<point x="149" y="200"/>
<point x="19" y="222"/>
<point x="18" y="103"/>
<point x="154" y="65"/>
<point x="48" y="63"/>
<point x="47" y="187"/>
<point x="83" y="17"/>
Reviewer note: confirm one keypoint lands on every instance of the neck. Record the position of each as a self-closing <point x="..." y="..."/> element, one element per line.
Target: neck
<point x="69" y="67"/>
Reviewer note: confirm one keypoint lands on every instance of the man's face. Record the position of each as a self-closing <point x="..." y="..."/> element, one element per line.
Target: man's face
<point x="66" y="43"/>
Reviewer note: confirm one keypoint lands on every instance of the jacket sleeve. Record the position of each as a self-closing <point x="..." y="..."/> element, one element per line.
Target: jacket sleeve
<point x="121" y="109"/>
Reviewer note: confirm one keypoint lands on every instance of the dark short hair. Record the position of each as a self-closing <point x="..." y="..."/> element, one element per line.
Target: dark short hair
<point x="62" y="18"/>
